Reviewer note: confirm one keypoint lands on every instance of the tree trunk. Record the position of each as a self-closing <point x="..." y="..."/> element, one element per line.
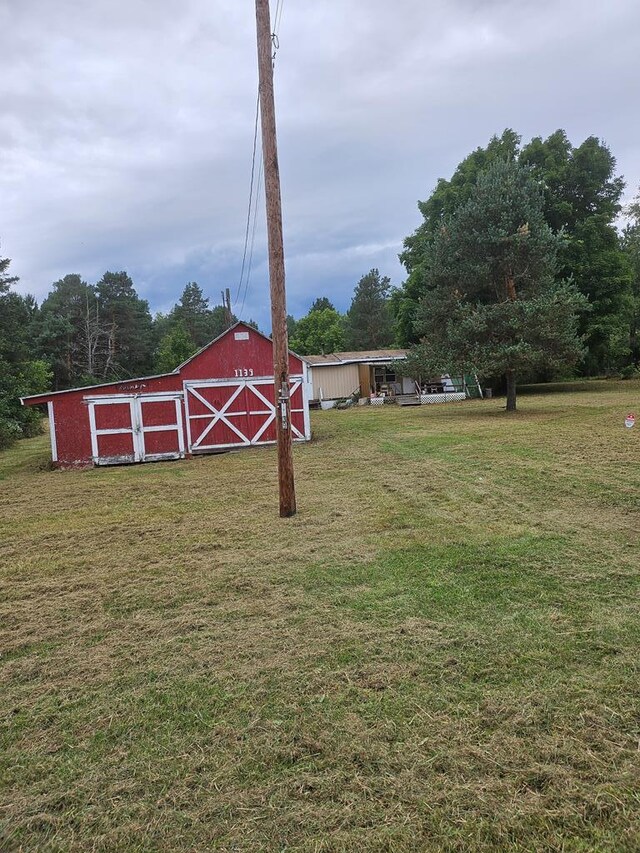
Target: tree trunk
<point x="511" y="390"/>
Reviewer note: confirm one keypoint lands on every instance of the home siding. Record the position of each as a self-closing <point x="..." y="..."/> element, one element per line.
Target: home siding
<point x="335" y="382"/>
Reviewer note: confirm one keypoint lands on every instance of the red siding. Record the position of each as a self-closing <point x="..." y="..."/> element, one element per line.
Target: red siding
<point x="241" y="353"/>
<point x="228" y="358"/>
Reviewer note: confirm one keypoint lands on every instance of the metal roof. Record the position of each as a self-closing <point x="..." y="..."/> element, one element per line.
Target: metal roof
<point x="335" y="359"/>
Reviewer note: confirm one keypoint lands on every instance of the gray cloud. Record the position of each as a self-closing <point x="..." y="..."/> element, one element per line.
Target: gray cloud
<point x="126" y="128"/>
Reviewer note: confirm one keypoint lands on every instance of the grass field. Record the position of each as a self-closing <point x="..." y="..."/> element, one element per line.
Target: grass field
<point x="439" y="652"/>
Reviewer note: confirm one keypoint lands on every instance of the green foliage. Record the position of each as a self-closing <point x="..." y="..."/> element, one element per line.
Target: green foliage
<point x="126" y="321"/>
<point x="581" y="201"/>
<point x="16" y="316"/>
<point x="202" y="323"/>
<point x="6" y="280"/>
<point x="320" y="331"/>
<point x="493" y="304"/>
<point x="322" y="303"/>
<point x="369" y="323"/>
<point x="582" y="197"/>
<point x="446" y="198"/>
<point x="292" y="324"/>
<point x="631" y="248"/>
<point x="61" y="329"/>
<point x="192" y="311"/>
<point x="175" y="347"/>
<point x="94" y="333"/>
<point x="19" y="375"/>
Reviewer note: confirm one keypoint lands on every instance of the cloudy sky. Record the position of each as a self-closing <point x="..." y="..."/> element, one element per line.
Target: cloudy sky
<point x="127" y="128"/>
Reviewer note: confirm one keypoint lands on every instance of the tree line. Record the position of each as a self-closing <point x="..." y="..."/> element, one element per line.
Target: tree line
<point x="84" y="334"/>
<point x="518" y="268"/>
<point x="367" y="325"/>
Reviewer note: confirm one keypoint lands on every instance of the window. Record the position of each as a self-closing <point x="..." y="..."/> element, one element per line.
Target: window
<point x="384" y="377"/>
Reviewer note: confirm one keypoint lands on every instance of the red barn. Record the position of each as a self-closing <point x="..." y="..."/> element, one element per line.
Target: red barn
<point x="221" y="398"/>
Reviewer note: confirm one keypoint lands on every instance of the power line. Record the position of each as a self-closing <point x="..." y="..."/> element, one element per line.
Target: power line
<point x="253" y="237"/>
<point x="253" y="169"/>
<point x="253" y="201"/>
<point x="278" y="16"/>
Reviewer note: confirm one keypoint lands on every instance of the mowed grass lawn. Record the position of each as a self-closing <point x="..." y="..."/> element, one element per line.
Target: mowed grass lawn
<point x="439" y="652"/>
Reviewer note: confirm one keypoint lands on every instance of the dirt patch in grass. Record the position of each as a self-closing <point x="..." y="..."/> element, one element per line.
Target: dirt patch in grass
<point x="439" y="652"/>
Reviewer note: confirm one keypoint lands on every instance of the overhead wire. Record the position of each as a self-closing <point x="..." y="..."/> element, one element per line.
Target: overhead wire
<point x="253" y="169"/>
<point x="253" y="238"/>
<point x="277" y="17"/>
<point x="253" y="199"/>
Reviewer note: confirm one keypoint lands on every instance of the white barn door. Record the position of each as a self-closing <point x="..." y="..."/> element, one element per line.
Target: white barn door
<point x="136" y="428"/>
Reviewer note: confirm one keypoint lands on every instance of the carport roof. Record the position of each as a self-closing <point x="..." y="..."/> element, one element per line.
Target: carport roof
<point x="362" y="357"/>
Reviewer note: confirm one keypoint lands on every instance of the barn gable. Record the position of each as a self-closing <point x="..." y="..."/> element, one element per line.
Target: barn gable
<point x="238" y="349"/>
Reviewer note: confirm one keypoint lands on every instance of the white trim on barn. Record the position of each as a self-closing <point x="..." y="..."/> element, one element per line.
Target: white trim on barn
<point x="137" y="428"/>
<point x="217" y="415"/>
<point x="52" y="431"/>
<point x="156" y="398"/>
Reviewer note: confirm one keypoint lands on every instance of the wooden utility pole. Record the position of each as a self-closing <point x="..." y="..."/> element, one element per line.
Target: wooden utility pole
<point x="276" y="261"/>
<point x="226" y="304"/>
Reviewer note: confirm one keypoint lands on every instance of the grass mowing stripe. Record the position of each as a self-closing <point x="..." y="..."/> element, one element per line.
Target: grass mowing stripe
<point x="439" y="652"/>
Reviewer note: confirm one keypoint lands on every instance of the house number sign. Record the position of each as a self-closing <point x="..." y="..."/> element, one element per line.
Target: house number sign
<point x="243" y="371"/>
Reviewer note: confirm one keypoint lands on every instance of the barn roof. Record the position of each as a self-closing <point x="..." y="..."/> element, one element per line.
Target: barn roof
<point x="44" y="396"/>
<point x="335" y="359"/>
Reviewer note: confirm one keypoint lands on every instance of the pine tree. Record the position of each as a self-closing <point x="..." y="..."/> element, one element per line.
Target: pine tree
<point x="631" y="248"/>
<point x="581" y="201"/>
<point x="20" y="374"/>
<point x="129" y="325"/>
<point x="369" y="320"/>
<point x="493" y="302"/>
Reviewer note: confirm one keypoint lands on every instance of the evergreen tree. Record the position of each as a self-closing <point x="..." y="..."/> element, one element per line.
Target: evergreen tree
<point x="446" y="198"/>
<point x="193" y="312"/>
<point x="20" y="374"/>
<point x="369" y="320"/>
<point x="493" y="303"/>
<point x="321" y="304"/>
<point x="6" y="280"/>
<point x="581" y="201"/>
<point x="202" y="323"/>
<point x="631" y="248"/>
<point x="128" y="322"/>
<point x="61" y="331"/>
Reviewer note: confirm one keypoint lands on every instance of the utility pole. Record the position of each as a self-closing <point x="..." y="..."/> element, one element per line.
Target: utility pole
<point x="226" y="304"/>
<point x="276" y="262"/>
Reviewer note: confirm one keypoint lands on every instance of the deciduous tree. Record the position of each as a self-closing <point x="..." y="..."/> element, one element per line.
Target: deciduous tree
<point x="320" y="331"/>
<point x="175" y="347"/>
